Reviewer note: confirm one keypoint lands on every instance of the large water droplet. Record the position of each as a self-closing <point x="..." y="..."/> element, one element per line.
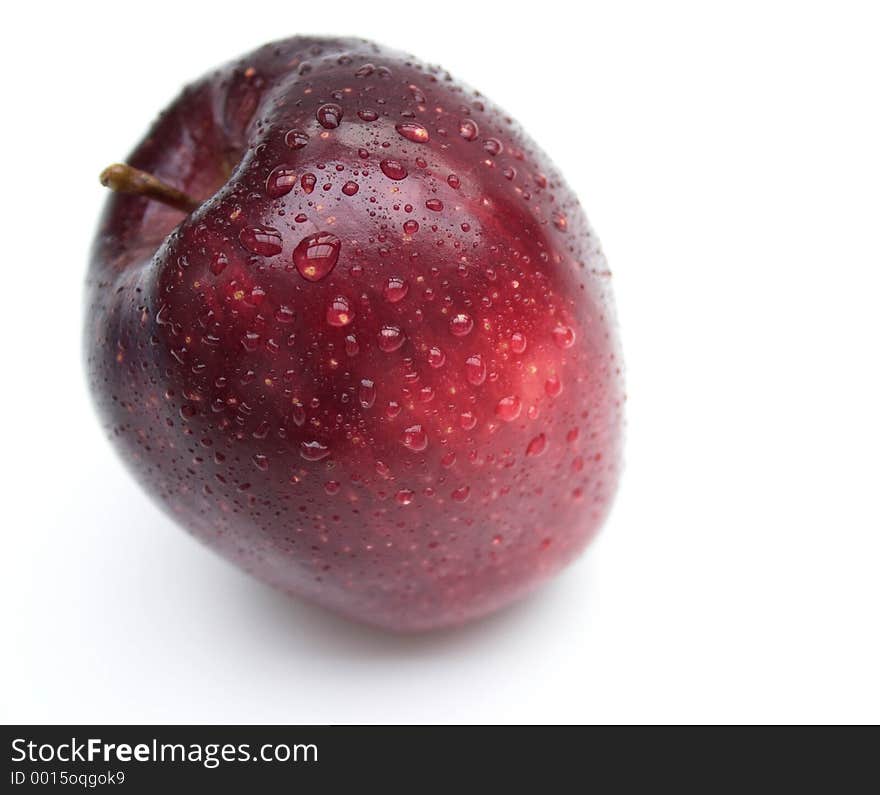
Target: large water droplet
<point x="339" y="313"/>
<point x="390" y="339"/>
<point x="518" y="342"/>
<point x="250" y="341"/>
<point x="435" y="205"/>
<point x="316" y="255"/>
<point x="461" y="493"/>
<point x="313" y="451"/>
<point x="410" y="227"/>
<point x="413" y="131"/>
<point x="553" y="386"/>
<point x="219" y="263"/>
<point x="350" y="188"/>
<point x="280" y="182"/>
<point x="436" y="357"/>
<point x="537" y="445"/>
<point x="395" y="290"/>
<point x="329" y="115"/>
<point x="468" y="129"/>
<point x="461" y="324"/>
<point x="284" y="314"/>
<point x="404" y="497"/>
<point x="308" y="182"/>
<point x="508" y="408"/>
<point x="493" y="146"/>
<point x="262" y="240"/>
<point x="296" y="139"/>
<point x="414" y="438"/>
<point x="563" y="336"/>
<point x="453" y="181"/>
<point x="367" y="393"/>
<point x="393" y="169"/>
<point x="261" y="462"/>
<point x="475" y="368"/>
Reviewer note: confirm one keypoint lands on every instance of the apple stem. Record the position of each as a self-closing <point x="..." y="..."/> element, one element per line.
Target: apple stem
<point x="123" y="178"/>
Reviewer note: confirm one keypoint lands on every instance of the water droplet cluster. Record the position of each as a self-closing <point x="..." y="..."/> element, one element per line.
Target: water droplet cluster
<point x="378" y="367"/>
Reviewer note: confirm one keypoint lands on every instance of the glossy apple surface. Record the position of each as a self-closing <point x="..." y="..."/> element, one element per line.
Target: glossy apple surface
<point x="377" y="366"/>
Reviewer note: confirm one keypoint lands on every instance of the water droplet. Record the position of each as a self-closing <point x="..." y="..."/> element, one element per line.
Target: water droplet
<point x="365" y="71"/>
<point x="392" y="409"/>
<point x="329" y="115"/>
<point x="475" y="368"/>
<point x="250" y="341"/>
<point x="468" y="129"/>
<point x="508" y="408"/>
<point x="410" y="227"/>
<point x="395" y="290"/>
<point x="493" y="146"/>
<point x="467" y="420"/>
<point x="563" y="336"/>
<point x="413" y="131"/>
<point x="331" y="487"/>
<point x="553" y="386"/>
<point x="448" y="459"/>
<point x="435" y="205"/>
<point x="350" y="188"/>
<point x="461" y="324"/>
<point x="352" y="347"/>
<point x="518" y="342"/>
<point x="367" y="393"/>
<point x="316" y="255"/>
<point x="219" y="263"/>
<point x="393" y="169"/>
<point x="298" y="415"/>
<point x="339" y="313"/>
<point x="414" y="438"/>
<point x="390" y="339"/>
<point x="404" y="497"/>
<point x="296" y="139"/>
<point x="284" y="314"/>
<point x="262" y="240"/>
<point x="308" y="182"/>
<point x="368" y="115"/>
<point x="537" y="445"/>
<point x="509" y="173"/>
<point x="313" y="451"/>
<point x="436" y="357"/>
<point x="280" y="182"/>
<point x="453" y="181"/>
<point x="461" y="494"/>
<point x="261" y="462"/>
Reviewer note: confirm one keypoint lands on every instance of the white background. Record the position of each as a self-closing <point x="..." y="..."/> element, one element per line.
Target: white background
<point x="729" y="159"/>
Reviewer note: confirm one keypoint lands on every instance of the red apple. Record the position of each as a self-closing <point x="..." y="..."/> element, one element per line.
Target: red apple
<point x="365" y="346"/>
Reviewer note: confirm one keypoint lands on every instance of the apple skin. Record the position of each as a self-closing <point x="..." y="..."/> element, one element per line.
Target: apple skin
<point x="413" y="439"/>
